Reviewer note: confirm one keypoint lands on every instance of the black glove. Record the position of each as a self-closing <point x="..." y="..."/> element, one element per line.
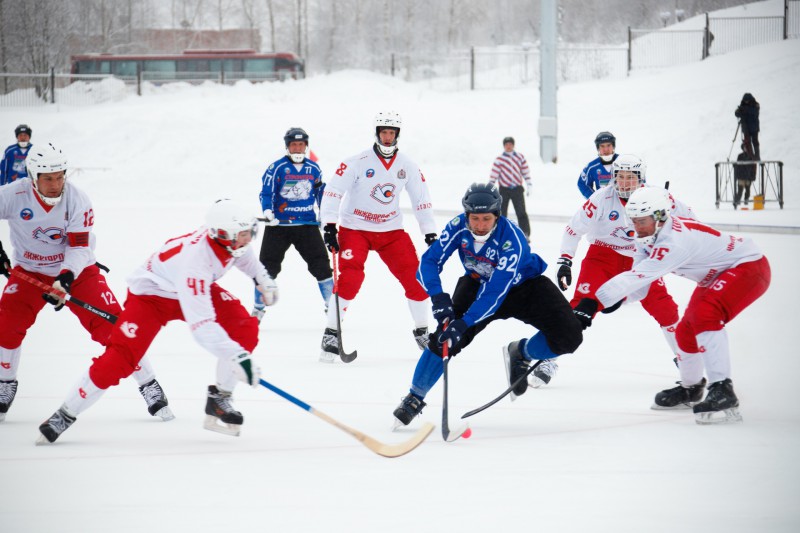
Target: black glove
<point x="738" y="112"/>
<point x="62" y="283"/>
<point x="430" y="238"/>
<point x="613" y="308"/>
<point x="442" y="308"/>
<point x="330" y="237"/>
<point x="585" y="310"/>
<point x="455" y="330"/>
<point x="564" y="275"/>
<point x="5" y="262"/>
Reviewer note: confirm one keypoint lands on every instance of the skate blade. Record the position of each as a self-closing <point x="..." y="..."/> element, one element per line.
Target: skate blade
<point x="397" y="425"/>
<point x="679" y="407"/>
<point x="2" y="416"/>
<point x="726" y="416"/>
<point x="41" y="440"/>
<point x="213" y="423"/>
<point x="165" y="414"/>
<point x="327" y="357"/>
<point x="507" y="361"/>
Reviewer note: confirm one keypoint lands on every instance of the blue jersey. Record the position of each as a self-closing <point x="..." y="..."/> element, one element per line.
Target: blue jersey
<point x="595" y="176"/>
<point x="504" y="261"/>
<point x="291" y="193"/>
<point x="13" y="168"/>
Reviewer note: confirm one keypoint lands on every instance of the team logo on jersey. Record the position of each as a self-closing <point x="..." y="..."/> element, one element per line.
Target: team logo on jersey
<point x="26" y="214"/>
<point x="583" y="288"/>
<point x="346" y="254"/>
<point x="11" y="289"/>
<point x="454" y="221"/>
<point x="384" y="193"/>
<point x="506" y="246"/>
<point x="296" y="189"/>
<point x="613" y="215"/>
<point x="129" y="329"/>
<point x="401" y="174"/>
<point x="370" y="173"/>
<point x="49" y="235"/>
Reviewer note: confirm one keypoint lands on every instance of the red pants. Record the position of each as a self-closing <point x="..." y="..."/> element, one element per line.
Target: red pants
<point x="710" y="308"/>
<point x="601" y="264"/>
<point x="143" y="318"/>
<point x="394" y="248"/>
<point x="21" y="302"/>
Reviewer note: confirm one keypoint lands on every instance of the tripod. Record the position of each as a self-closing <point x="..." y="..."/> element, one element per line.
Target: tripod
<point x="738" y="125"/>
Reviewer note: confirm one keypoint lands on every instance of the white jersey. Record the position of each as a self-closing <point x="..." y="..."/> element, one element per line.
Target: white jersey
<point x="686" y="248"/>
<point x="49" y="239"/>
<point x="184" y="269"/>
<point x="366" y="190"/>
<point x="604" y="222"/>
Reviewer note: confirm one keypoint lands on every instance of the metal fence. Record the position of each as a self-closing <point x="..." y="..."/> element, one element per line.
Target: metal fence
<point x="768" y="181"/>
<point x="34" y="90"/>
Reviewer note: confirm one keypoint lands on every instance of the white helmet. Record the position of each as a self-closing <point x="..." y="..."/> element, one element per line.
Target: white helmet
<point x="628" y="163"/>
<point x="43" y="159"/>
<point x="387" y="119"/>
<point x="649" y="201"/>
<point x="225" y="220"/>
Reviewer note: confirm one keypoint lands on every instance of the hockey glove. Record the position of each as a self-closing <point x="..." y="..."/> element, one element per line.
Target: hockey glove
<point x="5" y="262"/>
<point x="585" y="311"/>
<point x="269" y="218"/>
<point x="564" y="275"/>
<point x="442" y="308"/>
<point x="246" y="370"/>
<point x="452" y="335"/>
<point x="330" y="237"/>
<point x="63" y="283"/>
<point x="430" y="238"/>
<point x="268" y="289"/>
<point x="613" y="308"/>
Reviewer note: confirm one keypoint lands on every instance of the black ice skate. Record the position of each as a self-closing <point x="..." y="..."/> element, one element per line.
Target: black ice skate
<point x="543" y="373"/>
<point x="53" y="427"/>
<point x="8" y="390"/>
<point x="410" y="407"/>
<point x="516" y="366"/>
<point x="157" y="403"/>
<point x="330" y="346"/>
<point x="421" y="336"/>
<point x="220" y="414"/>
<point x="721" y="405"/>
<point x="679" y="397"/>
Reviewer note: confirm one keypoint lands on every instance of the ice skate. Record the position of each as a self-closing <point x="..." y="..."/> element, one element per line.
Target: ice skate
<point x="220" y="414"/>
<point x="516" y="366"/>
<point x="157" y="403"/>
<point x="543" y="373"/>
<point x="330" y="346"/>
<point x="53" y="427"/>
<point x="421" y="337"/>
<point x="409" y="408"/>
<point x="8" y="390"/>
<point x="721" y="405"/>
<point x="679" y="397"/>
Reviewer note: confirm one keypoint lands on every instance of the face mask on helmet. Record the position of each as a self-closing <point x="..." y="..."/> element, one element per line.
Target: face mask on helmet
<point x="226" y="220"/>
<point x="384" y="120"/>
<point x="296" y="134"/>
<point x="602" y="138"/>
<point x="46" y="159"/>
<point x="482" y="198"/>
<point x="628" y="172"/>
<point x="649" y="202"/>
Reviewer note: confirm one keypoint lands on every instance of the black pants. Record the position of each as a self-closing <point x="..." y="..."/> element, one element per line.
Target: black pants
<point x="306" y="239"/>
<point x="751" y="145"/>
<point x="536" y="302"/>
<point x="517" y="196"/>
<point x="742" y="186"/>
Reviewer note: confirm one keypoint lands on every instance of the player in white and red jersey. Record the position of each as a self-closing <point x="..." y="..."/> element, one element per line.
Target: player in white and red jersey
<point x="731" y="273"/>
<point x="608" y="229"/>
<point x="178" y="282"/>
<point x="363" y="198"/>
<point x="51" y="223"/>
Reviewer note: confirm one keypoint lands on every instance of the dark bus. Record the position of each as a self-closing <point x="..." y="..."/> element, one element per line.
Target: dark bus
<point x="193" y="66"/>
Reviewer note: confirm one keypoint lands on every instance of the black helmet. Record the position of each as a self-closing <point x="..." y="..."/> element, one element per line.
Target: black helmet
<point x="295" y="134"/>
<point x="605" y="137"/>
<point x="482" y="198"/>
<point x="22" y="128"/>
<point x="508" y="140"/>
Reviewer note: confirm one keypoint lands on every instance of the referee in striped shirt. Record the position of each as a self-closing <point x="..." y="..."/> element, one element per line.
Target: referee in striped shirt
<point x="511" y="170"/>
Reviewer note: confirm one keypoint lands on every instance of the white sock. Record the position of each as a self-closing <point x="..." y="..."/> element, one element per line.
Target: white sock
<point x="10" y="363"/>
<point x="690" y="366"/>
<point x="717" y="357"/>
<point x="669" y="335"/>
<point x="82" y="395"/>
<point x="145" y="374"/>
<point x="343" y="305"/>
<point x="227" y="377"/>
<point x="419" y="312"/>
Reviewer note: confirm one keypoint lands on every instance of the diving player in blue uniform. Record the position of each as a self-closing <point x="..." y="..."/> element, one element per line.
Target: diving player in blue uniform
<point x="503" y="279"/>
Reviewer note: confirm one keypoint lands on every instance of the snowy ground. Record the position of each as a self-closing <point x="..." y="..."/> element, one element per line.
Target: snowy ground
<point x="586" y="452"/>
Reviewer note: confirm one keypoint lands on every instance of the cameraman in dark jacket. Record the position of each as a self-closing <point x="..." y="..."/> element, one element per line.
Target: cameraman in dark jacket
<point x="744" y="176"/>
<point x="748" y="116"/>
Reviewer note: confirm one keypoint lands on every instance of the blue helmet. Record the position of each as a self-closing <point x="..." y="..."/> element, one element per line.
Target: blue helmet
<point x="482" y="198"/>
